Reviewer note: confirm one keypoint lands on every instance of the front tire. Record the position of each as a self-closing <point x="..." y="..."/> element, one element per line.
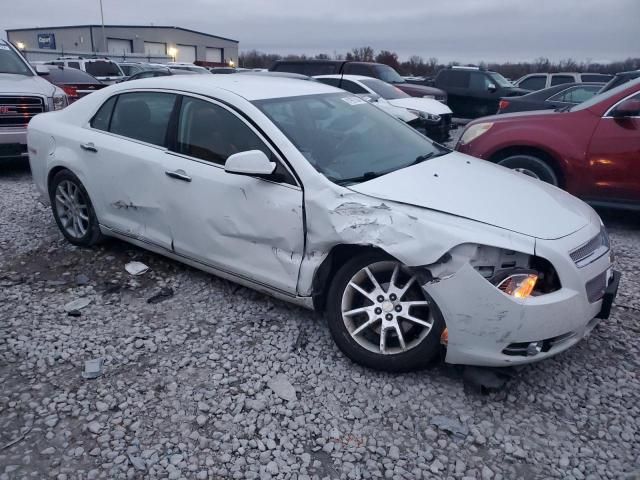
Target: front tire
<point x="380" y="317"/>
<point x="73" y="210"/>
<point x="532" y="166"/>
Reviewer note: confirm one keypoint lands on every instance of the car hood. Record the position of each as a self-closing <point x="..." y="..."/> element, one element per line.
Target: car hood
<point x="419" y="90"/>
<point x="468" y="187"/>
<point x="428" y="105"/>
<point x="515" y="116"/>
<point x="25" y="85"/>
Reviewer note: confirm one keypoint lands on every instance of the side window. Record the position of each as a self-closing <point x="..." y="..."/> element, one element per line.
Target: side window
<point x="575" y="95"/>
<point x="560" y="79"/>
<point x="459" y="79"/>
<point x="535" y="82"/>
<point x="357" y="69"/>
<point x="212" y="133"/>
<point x="102" y="118"/>
<point x="595" y="77"/>
<point x="334" y="82"/>
<point x="313" y="69"/>
<point x="352" y="87"/>
<point x="74" y="65"/>
<point x="143" y="116"/>
<point x="479" y="81"/>
<point x="290" y="67"/>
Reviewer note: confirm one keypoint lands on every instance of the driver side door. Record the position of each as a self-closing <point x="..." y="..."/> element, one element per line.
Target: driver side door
<point x="244" y="225"/>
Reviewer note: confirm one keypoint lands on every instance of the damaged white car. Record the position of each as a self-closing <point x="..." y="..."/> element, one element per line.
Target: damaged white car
<point x="313" y="195"/>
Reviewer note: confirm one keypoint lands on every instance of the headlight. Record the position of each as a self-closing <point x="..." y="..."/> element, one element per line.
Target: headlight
<point x="59" y="101"/>
<point x="474" y="131"/>
<point x="519" y="285"/>
<point x="429" y="117"/>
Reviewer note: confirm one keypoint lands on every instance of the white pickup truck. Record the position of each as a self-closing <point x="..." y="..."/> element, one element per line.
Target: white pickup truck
<point x="23" y="94"/>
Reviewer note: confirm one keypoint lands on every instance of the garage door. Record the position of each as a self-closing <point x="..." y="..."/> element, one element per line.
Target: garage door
<point x="186" y="53"/>
<point x="155" y="48"/>
<point x="117" y="45"/>
<point x="214" y="55"/>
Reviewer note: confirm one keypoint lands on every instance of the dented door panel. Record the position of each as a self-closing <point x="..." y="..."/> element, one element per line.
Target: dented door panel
<point x="127" y="198"/>
<point x="244" y="225"/>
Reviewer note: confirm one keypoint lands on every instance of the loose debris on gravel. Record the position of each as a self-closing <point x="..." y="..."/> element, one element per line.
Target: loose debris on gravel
<point x="219" y="382"/>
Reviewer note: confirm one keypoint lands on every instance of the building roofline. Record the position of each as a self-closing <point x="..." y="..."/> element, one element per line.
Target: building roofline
<point x="63" y="27"/>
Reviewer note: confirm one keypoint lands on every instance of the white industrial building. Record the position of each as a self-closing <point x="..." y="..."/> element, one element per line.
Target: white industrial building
<point x="133" y="42"/>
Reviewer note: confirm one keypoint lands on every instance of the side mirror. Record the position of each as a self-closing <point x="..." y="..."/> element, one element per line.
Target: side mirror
<point x="42" y="70"/>
<point x="492" y="87"/>
<point x="252" y="162"/>
<point x="628" y="108"/>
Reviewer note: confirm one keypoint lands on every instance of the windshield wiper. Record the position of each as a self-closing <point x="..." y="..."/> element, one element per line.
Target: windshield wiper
<point x="362" y="178"/>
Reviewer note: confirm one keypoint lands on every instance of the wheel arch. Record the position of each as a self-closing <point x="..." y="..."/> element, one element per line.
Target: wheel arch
<point x="324" y="273"/>
<point x="552" y="160"/>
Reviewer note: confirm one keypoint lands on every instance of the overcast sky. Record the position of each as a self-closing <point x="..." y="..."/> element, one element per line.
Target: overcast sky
<point x="463" y="30"/>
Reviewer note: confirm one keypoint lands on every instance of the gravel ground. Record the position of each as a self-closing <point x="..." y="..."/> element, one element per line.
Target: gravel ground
<point x="221" y="382"/>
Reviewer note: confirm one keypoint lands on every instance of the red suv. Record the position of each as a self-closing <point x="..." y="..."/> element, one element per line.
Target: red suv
<point x="592" y="149"/>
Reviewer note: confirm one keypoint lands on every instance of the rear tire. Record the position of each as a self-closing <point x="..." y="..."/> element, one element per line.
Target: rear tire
<point x="73" y="210"/>
<point x="532" y="166"/>
<point x="394" y="306"/>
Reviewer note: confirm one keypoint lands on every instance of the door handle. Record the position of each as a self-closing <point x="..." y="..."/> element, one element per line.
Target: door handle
<point x="89" y="147"/>
<point x="178" y="175"/>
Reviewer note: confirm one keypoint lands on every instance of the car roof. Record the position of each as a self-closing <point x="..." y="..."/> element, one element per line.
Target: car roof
<point x="347" y="77"/>
<point x="250" y="87"/>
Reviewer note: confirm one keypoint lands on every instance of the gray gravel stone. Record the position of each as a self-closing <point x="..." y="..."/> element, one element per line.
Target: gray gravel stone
<point x="202" y="386"/>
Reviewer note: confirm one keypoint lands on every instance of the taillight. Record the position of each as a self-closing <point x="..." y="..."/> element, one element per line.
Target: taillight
<point x="70" y="91"/>
<point x="503" y="104"/>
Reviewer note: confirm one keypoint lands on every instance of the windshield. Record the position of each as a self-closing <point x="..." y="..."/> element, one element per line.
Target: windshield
<point x="388" y="74"/>
<point x="345" y="138"/>
<point x="499" y="79"/>
<point x="386" y="91"/>
<point x="102" y="68"/>
<point x="11" y="62"/>
<point x="603" y="96"/>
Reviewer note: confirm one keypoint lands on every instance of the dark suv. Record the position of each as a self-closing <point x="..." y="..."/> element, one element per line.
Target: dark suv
<point x="474" y="92"/>
<point x="380" y="71"/>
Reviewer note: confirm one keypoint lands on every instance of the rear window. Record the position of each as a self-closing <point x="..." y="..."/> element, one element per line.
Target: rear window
<point x="560" y="79"/>
<point x="69" y="75"/>
<point x="101" y="68"/>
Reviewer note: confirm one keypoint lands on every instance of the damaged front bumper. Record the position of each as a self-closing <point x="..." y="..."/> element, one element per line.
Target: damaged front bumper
<point x="487" y="327"/>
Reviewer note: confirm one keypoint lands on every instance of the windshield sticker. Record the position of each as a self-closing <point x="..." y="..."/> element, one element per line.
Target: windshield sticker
<point x="353" y="100"/>
<point x="4" y="47"/>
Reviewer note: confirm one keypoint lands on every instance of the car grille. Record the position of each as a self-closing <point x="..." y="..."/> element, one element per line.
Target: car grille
<point x="596" y="287"/>
<point x="18" y="111"/>
<point x="592" y="250"/>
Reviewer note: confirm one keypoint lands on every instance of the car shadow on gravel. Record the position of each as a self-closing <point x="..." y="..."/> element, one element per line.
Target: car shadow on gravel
<point x="14" y="166"/>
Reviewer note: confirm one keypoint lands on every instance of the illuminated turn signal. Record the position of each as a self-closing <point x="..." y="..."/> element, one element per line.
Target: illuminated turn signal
<point x="520" y="285"/>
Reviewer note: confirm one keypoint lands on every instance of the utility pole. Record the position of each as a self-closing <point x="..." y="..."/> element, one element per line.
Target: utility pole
<point x="104" y="38"/>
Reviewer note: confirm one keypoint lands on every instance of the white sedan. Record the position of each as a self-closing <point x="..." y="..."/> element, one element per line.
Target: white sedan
<point x="434" y="116"/>
<point x="312" y="195"/>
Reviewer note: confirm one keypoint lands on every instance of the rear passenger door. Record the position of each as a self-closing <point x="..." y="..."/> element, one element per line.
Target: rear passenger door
<point x="123" y="150"/>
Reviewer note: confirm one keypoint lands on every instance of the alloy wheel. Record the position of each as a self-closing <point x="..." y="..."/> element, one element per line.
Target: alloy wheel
<point x="72" y="208"/>
<point x="385" y="310"/>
